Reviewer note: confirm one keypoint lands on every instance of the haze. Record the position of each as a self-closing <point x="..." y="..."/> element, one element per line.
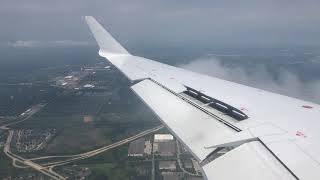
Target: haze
<point x="171" y="23"/>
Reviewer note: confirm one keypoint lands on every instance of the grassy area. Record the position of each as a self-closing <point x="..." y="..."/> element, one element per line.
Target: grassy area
<point x="115" y="116"/>
<point x="70" y="142"/>
<point x="6" y="167"/>
<point x="112" y="164"/>
<point x="3" y="135"/>
<point x="117" y="155"/>
<point x="111" y="171"/>
<point x="16" y="99"/>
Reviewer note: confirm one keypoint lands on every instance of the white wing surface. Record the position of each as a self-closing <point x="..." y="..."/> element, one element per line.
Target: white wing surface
<point x="234" y="131"/>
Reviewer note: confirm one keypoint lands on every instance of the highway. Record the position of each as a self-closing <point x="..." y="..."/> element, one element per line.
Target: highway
<point x="15" y="158"/>
<point x="102" y="149"/>
<point x="46" y="168"/>
<point x="32" y="111"/>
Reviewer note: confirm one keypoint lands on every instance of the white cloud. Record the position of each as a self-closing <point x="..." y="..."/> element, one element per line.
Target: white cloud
<point x="33" y="44"/>
<point x="287" y="83"/>
<point x="24" y="44"/>
<point x="70" y="43"/>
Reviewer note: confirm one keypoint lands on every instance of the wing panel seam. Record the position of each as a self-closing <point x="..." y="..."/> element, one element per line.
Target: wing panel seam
<point x="198" y="107"/>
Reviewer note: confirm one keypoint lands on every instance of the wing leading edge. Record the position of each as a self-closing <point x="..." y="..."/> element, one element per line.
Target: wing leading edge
<point x="278" y="137"/>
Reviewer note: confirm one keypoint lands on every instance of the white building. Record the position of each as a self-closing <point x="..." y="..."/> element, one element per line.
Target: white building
<point x="163" y="137"/>
<point x="167" y="165"/>
<point x="68" y="77"/>
<point x="88" y="86"/>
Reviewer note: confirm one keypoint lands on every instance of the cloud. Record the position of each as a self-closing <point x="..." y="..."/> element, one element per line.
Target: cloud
<point x="285" y="82"/>
<point x="24" y="44"/>
<point x="207" y="22"/>
<point x="34" y="44"/>
<point x="70" y="43"/>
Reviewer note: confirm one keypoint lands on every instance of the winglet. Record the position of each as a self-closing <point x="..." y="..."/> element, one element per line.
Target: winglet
<point x="104" y="39"/>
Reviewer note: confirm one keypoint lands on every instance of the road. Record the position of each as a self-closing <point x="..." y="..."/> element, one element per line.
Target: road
<point x="100" y="150"/>
<point x="180" y="163"/>
<point x="15" y="158"/>
<point x="46" y="168"/>
<point x="33" y="110"/>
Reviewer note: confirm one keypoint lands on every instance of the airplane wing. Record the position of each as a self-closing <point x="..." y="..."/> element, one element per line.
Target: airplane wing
<point x="234" y="131"/>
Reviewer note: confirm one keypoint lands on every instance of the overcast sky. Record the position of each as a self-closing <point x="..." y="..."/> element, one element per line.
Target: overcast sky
<point x="146" y="22"/>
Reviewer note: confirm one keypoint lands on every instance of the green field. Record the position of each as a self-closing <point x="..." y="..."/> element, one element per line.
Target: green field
<point x="113" y="164"/>
<point x="15" y="99"/>
<point x="115" y="116"/>
<point x="6" y="167"/>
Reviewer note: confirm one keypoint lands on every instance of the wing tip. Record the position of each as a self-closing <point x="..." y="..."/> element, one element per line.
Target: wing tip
<point x="106" y="42"/>
<point x="88" y="18"/>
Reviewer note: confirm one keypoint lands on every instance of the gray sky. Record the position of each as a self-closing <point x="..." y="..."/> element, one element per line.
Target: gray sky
<point x="149" y="23"/>
<point x="146" y="22"/>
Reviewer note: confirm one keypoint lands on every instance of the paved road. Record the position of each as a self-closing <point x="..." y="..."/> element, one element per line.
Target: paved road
<point x="34" y="109"/>
<point x="103" y="149"/>
<point x="46" y="168"/>
<point x="180" y="163"/>
<point x="15" y="158"/>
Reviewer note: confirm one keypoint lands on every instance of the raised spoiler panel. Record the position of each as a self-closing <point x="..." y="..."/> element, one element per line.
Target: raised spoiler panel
<point x="197" y="130"/>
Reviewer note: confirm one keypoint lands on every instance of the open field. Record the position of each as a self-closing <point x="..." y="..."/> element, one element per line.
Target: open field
<point x="113" y="116"/>
<point x="15" y="99"/>
<point x="6" y="167"/>
<point x="114" y="164"/>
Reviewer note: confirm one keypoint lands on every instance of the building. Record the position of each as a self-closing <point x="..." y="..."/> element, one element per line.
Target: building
<point x="136" y="148"/>
<point x="147" y="147"/>
<point x="165" y="148"/>
<point x="196" y="166"/>
<point x="164" y="144"/>
<point x="67" y="82"/>
<point x="88" y="86"/>
<point x="163" y="137"/>
<point x="167" y="165"/>
<point x="68" y="77"/>
<point x="188" y="164"/>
